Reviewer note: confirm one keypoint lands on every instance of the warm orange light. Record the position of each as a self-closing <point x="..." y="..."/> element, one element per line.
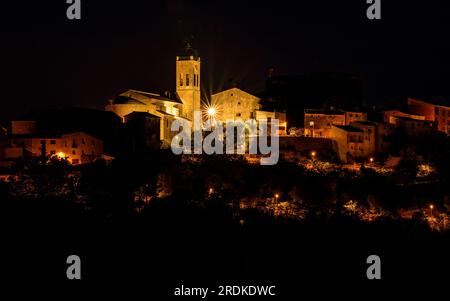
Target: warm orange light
<point x="313" y="154"/>
<point x="61" y="155"/>
<point x="371" y="160"/>
<point x="211" y="190"/>
<point x="211" y="111"/>
<point x="277" y="196"/>
<point x="431" y="206"/>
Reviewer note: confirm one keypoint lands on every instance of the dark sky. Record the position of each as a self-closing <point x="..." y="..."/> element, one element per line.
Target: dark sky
<point x="49" y="60"/>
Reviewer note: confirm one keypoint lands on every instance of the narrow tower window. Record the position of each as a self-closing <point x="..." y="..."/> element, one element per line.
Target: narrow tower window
<point x="181" y="79"/>
<point x="187" y="79"/>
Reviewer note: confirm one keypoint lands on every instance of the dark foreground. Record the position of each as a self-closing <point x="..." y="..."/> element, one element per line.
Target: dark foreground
<point x="170" y="244"/>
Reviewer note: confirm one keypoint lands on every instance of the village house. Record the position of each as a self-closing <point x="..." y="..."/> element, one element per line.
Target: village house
<point x="350" y="143"/>
<point x="438" y="113"/>
<point x="318" y="123"/>
<point x="77" y="147"/>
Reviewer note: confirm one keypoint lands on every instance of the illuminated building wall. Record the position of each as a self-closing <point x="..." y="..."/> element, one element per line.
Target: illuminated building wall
<point x="318" y="123"/>
<point x="396" y="113"/>
<point x="369" y="139"/>
<point x="188" y="84"/>
<point x="266" y="116"/>
<point x="352" y="116"/>
<point x="413" y="127"/>
<point x="440" y="114"/>
<point x="167" y="108"/>
<point x="349" y="143"/>
<point x="384" y="132"/>
<point x="78" y="147"/>
<point x="235" y="104"/>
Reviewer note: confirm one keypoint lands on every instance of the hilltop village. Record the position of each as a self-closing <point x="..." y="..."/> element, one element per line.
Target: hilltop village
<point x="135" y="121"/>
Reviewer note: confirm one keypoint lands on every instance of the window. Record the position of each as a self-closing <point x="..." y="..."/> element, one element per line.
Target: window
<point x="52" y="141"/>
<point x="73" y="152"/>
<point x="82" y="141"/>
<point x="187" y="79"/>
<point x="239" y="103"/>
<point x="181" y="79"/>
<point x="238" y="114"/>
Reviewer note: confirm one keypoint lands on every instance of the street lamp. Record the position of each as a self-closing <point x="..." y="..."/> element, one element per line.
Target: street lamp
<point x="211" y="112"/>
<point x="371" y="159"/>
<point x="277" y="196"/>
<point x="313" y="154"/>
<point x="431" y="210"/>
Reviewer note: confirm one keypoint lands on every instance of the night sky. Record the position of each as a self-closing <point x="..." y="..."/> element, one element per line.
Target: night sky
<point x="117" y="45"/>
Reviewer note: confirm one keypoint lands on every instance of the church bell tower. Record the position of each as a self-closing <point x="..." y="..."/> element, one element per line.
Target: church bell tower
<point x="188" y="83"/>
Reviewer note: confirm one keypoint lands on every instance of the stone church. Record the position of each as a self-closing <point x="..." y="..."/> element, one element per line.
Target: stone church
<point x="167" y="106"/>
<point x="232" y="104"/>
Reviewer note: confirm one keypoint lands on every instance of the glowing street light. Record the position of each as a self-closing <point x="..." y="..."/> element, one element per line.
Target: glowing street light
<point x="211" y="111"/>
<point x="210" y="190"/>
<point x="313" y="154"/>
<point x="431" y="210"/>
<point x="371" y="159"/>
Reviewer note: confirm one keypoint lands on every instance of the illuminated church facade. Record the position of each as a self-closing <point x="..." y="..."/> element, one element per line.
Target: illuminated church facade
<point x="233" y="104"/>
<point x="167" y="106"/>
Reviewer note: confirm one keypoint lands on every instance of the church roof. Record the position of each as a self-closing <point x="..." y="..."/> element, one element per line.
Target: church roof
<point x="235" y="89"/>
<point x="138" y="97"/>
